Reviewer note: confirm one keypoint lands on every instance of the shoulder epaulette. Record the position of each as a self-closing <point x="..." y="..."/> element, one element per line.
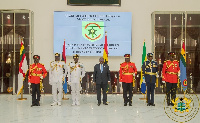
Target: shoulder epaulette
<point x="41" y="64"/>
<point x="166" y="61"/>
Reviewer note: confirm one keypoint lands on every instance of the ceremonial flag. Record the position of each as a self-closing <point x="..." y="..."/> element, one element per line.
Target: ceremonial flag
<point x="144" y="58"/>
<point x="23" y="67"/>
<point x="64" y="59"/>
<point x="183" y="76"/>
<point x="105" y="52"/>
<point x="105" y="55"/>
<point x="63" y="53"/>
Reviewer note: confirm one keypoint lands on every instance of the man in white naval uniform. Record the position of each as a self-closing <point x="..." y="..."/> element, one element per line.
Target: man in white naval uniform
<point x="76" y="72"/>
<point x="56" y="78"/>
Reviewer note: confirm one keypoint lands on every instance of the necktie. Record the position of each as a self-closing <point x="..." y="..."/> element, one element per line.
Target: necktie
<point x="101" y="68"/>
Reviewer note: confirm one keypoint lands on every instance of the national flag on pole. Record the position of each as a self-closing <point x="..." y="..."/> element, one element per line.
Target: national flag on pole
<point x="23" y="67"/>
<point x="63" y="53"/>
<point x="105" y="52"/>
<point x="64" y="59"/>
<point x="183" y="76"/>
<point x="144" y="58"/>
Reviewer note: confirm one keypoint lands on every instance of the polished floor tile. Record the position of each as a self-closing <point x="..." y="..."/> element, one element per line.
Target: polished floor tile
<point x="20" y="111"/>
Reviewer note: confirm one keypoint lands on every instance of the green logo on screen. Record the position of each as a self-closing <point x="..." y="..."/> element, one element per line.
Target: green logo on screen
<point x="92" y="31"/>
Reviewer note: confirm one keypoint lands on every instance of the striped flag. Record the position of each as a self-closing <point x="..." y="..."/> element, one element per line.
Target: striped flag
<point x="105" y="52"/>
<point x="105" y="55"/>
<point x="183" y="76"/>
<point x="64" y="59"/>
<point x="63" y="53"/>
<point x="23" y="67"/>
<point x="144" y="58"/>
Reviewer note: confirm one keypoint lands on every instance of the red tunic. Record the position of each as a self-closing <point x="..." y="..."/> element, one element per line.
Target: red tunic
<point x="127" y="69"/>
<point x="170" y="71"/>
<point x="35" y="72"/>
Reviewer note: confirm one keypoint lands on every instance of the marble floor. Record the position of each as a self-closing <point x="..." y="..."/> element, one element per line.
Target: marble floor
<point x="20" y="111"/>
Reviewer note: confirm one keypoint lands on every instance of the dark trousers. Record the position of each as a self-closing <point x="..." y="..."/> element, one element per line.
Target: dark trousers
<point x="35" y="91"/>
<point x="127" y="87"/>
<point x="104" y="87"/>
<point x="150" y="91"/>
<point x="171" y="89"/>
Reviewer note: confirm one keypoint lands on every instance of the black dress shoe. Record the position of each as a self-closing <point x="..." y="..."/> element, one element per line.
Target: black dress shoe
<point x="168" y="104"/>
<point x="148" y="104"/>
<point x="99" y="104"/>
<point x="125" y="104"/>
<point x="105" y="103"/>
<point x="153" y="104"/>
<point x="172" y="104"/>
<point x="33" y="105"/>
<point x="130" y="104"/>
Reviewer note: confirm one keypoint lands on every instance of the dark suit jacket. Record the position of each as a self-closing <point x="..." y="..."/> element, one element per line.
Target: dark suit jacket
<point x="99" y="77"/>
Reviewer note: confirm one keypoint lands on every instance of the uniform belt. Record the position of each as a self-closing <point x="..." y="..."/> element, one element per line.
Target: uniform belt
<point x="34" y="74"/>
<point x="150" y="73"/>
<point x="172" y="73"/>
<point x="127" y="73"/>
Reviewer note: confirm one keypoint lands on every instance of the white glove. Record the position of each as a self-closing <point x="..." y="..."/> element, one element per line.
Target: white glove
<point x="133" y="74"/>
<point x="179" y="74"/>
<point x="157" y="75"/>
<point x="41" y="77"/>
<point x="144" y="80"/>
<point x="163" y="82"/>
<point x="29" y="83"/>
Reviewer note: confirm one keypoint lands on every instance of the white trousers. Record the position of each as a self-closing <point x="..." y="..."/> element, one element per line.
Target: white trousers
<point x="57" y="91"/>
<point x="75" y="93"/>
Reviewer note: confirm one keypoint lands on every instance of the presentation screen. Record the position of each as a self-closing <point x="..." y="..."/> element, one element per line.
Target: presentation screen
<point x="84" y="33"/>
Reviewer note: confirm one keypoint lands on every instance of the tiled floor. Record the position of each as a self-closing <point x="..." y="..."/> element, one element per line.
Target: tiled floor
<point x="15" y="111"/>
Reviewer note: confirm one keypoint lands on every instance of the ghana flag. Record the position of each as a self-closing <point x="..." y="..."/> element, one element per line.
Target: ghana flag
<point x="183" y="76"/>
<point x="23" y="67"/>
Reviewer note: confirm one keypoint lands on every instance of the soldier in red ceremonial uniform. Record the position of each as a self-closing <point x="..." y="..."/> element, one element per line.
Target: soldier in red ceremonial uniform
<point x="170" y="73"/>
<point x="37" y="72"/>
<point x="126" y="76"/>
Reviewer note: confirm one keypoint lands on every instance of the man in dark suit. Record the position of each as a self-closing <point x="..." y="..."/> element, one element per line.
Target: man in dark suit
<point x="101" y="77"/>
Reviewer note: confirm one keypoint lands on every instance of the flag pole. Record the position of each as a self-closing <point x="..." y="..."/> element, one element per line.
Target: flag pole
<point x="63" y="55"/>
<point x="64" y="96"/>
<point x="145" y="97"/>
<point x="21" y="90"/>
